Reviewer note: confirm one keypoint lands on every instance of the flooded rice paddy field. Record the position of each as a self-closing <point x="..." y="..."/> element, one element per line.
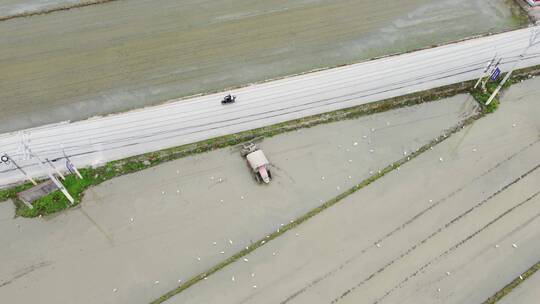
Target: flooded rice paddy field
<point x="100" y="59"/>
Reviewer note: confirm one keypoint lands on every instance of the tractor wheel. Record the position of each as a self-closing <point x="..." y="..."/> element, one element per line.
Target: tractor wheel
<point x="258" y="178"/>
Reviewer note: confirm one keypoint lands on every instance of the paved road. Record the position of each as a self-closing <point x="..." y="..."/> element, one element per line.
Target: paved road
<point x="99" y="140"/>
<point x="124" y="55"/>
<point x="82" y="254"/>
<point x="450" y="231"/>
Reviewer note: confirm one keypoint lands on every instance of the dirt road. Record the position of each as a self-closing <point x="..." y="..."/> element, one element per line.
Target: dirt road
<point x="179" y="209"/>
<point x="127" y="54"/>
<point x="452" y="226"/>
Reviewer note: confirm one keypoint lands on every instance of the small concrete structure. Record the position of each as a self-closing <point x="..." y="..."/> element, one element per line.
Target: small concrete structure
<point x="30" y="195"/>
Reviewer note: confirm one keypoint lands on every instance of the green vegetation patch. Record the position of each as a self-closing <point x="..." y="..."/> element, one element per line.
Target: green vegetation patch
<point x="12" y="192"/>
<point x="56" y="201"/>
<point x="483" y="96"/>
<point x="512" y="285"/>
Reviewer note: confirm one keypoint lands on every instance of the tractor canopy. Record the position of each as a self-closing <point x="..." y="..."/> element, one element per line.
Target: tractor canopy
<point x="257" y="159"/>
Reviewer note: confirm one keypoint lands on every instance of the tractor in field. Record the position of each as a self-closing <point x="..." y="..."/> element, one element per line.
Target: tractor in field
<point x="257" y="162"/>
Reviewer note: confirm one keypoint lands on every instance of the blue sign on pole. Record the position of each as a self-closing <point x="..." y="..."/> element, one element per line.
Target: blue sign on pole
<point x="495" y="74"/>
<point x="70" y="166"/>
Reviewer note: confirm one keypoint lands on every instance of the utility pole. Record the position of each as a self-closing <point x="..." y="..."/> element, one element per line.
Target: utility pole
<point x="70" y="166"/>
<point x="486" y="70"/>
<point x="6" y="160"/>
<point x="532" y="41"/>
<point x="54" y="168"/>
<point x="52" y="177"/>
<point x="492" y="70"/>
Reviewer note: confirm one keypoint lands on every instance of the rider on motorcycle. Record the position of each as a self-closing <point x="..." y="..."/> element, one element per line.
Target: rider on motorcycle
<point x="229" y="99"/>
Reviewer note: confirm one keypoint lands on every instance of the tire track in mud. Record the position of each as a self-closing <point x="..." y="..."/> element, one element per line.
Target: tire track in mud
<point x="482" y="250"/>
<point x="518" y="228"/>
<point x="435" y="233"/>
<point x="404" y="225"/>
<point x="53" y="9"/>
<point x="21" y="273"/>
<point x="465" y="240"/>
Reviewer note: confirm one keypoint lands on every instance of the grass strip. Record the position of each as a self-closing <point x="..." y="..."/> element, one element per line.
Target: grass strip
<point x="291" y="225"/>
<point x="512" y="285"/>
<point x="482" y="96"/>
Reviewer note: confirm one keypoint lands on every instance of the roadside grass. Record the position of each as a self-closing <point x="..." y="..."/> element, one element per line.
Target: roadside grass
<point x="512" y="285"/>
<point x="483" y="96"/>
<point x="56" y="201"/>
<point x="518" y="76"/>
<point x="12" y="192"/>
